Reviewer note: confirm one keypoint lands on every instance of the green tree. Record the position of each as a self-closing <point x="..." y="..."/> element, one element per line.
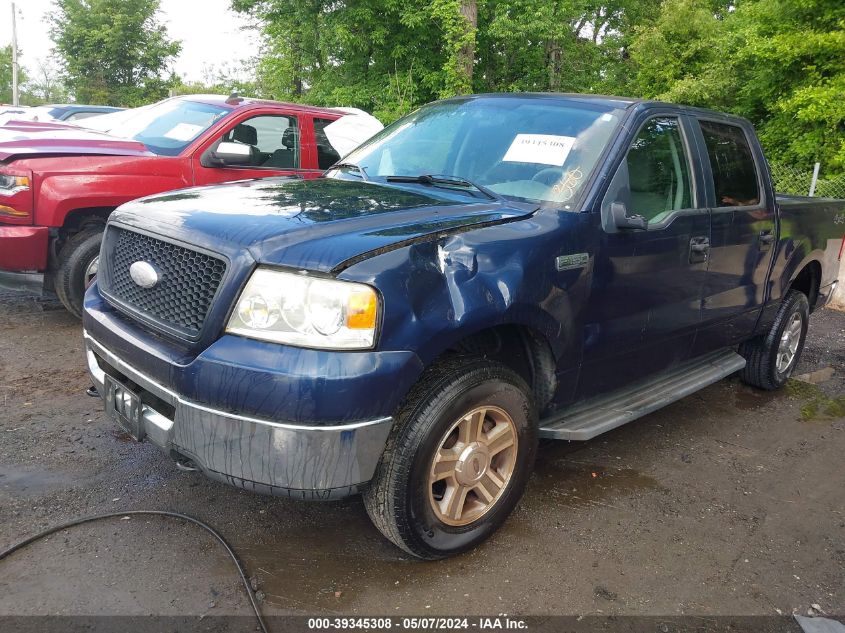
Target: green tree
<point x="388" y="56"/>
<point x="791" y="62"/>
<point x="221" y="80"/>
<point x="46" y="85"/>
<point x="781" y="63"/>
<point x="113" y="52"/>
<point x="381" y="55"/>
<point x="556" y="45"/>
<point x="674" y="56"/>
<point x="458" y="20"/>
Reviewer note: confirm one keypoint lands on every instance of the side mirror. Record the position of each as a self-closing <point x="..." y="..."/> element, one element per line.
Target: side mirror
<point x="621" y="219"/>
<point x="228" y="154"/>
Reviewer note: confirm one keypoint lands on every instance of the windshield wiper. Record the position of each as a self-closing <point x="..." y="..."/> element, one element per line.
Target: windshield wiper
<point x="439" y="180"/>
<point x="357" y="168"/>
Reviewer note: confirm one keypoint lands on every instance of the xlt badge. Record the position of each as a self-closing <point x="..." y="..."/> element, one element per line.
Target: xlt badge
<point x="571" y="262"/>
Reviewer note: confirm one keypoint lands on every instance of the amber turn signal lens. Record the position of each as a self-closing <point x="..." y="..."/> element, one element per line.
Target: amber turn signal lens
<point x="361" y="310"/>
<point x="4" y="210"/>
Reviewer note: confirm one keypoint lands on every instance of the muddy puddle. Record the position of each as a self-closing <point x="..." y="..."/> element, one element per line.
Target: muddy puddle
<point x="335" y="565"/>
<point x="574" y="481"/>
<point x="342" y="561"/>
<point x="749" y="399"/>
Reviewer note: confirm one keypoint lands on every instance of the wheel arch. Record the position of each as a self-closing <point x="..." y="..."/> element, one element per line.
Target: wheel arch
<point x="806" y="278"/>
<point x="524" y="348"/>
<point x="78" y="219"/>
<point x="75" y="221"/>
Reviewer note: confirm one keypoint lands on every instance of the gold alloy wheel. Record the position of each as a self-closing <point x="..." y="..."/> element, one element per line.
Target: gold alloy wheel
<point x="472" y="466"/>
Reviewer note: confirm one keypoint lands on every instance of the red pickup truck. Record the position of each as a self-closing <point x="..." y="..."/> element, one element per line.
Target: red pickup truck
<point x="59" y="183"/>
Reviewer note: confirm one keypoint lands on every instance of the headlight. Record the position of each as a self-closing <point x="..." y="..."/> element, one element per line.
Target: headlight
<point x="305" y="311"/>
<point x="12" y="184"/>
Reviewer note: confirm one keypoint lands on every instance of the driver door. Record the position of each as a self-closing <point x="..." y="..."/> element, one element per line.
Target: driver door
<point x="645" y="301"/>
<point x="275" y="144"/>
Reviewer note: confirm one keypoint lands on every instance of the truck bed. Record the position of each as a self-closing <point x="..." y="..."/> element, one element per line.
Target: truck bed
<point x="812" y="228"/>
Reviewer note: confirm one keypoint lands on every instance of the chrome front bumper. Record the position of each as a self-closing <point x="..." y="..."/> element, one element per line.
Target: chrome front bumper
<point x="309" y="462"/>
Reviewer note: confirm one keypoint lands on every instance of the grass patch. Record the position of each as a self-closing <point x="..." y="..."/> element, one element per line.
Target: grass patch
<point x="817" y="405"/>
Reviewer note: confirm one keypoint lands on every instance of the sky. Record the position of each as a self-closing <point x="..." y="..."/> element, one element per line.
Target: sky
<point x="211" y="34"/>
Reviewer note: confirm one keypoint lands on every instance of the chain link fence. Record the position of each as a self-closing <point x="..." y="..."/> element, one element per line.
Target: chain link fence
<point x="798" y="181"/>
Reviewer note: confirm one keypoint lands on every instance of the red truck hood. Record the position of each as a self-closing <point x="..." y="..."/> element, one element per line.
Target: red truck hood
<point x="31" y="138"/>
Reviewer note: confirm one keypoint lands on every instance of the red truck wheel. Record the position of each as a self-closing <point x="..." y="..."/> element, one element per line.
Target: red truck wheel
<point x="458" y="459"/>
<point x="76" y="266"/>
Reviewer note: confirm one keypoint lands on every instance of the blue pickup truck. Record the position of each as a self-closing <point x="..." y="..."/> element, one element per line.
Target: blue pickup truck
<point x="485" y="272"/>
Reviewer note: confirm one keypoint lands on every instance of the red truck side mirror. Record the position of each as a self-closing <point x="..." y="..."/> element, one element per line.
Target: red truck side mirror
<point x="229" y="154"/>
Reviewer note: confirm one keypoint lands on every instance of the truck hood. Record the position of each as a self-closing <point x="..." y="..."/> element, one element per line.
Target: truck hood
<point x="32" y="138"/>
<point x="319" y="225"/>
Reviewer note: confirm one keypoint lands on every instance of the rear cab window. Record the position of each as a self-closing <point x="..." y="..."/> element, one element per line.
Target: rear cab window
<point x="735" y="177"/>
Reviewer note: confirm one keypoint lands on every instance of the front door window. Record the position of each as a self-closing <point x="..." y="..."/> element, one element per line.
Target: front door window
<point x="276" y="139"/>
<point x="658" y="171"/>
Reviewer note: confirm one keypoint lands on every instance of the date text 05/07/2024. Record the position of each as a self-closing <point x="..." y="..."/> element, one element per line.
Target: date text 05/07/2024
<point x="495" y="623"/>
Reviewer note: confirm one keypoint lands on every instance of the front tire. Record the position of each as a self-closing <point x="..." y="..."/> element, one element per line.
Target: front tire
<point x="77" y="265"/>
<point x="772" y="357"/>
<point x="458" y="459"/>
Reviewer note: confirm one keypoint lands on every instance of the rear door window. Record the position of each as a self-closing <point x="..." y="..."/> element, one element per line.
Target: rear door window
<point x="327" y="154"/>
<point x="734" y="172"/>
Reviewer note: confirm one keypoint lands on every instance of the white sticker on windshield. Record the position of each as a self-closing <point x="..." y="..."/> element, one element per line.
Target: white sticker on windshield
<point x="183" y="131"/>
<point x="542" y="149"/>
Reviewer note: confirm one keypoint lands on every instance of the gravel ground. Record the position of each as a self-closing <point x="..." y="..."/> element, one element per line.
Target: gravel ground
<point x="728" y="502"/>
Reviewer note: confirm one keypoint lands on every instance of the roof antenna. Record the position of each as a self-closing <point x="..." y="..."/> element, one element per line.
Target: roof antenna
<point x="234" y="99"/>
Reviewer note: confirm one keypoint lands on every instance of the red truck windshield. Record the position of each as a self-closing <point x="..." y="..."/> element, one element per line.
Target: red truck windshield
<point x="166" y="128"/>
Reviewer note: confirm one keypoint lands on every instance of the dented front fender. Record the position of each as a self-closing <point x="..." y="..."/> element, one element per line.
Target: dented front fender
<point x="439" y="291"/>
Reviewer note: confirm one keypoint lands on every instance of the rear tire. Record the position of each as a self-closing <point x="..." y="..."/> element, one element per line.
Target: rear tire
<point x="76" y="263"/>
<point x="458" y="459"/>
<point x="772" y="357"/>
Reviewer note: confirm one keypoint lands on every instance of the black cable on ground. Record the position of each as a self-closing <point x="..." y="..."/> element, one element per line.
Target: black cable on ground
<point x="166" y="513"/>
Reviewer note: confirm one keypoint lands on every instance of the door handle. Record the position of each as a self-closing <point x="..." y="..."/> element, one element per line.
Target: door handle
<point x="699" y="248"/>
<point x="766" y="237"/>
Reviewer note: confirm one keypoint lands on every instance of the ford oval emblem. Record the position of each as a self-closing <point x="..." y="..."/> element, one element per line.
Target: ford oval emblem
<point x="143" y="274"/>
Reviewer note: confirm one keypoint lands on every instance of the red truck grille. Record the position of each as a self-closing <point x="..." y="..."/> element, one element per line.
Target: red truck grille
<point x="187" y="281"/>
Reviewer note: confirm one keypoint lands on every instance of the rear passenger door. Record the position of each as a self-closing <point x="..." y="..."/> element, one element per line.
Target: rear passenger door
<point x="743" y="234"/>
<point x="645" y="302"/>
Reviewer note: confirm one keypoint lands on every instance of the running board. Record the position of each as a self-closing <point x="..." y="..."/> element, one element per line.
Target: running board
<point x="593" y="417"/>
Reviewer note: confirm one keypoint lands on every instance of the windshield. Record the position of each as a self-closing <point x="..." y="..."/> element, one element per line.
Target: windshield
<point x="533" y="149"/>
<point x="166" y="127"/>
